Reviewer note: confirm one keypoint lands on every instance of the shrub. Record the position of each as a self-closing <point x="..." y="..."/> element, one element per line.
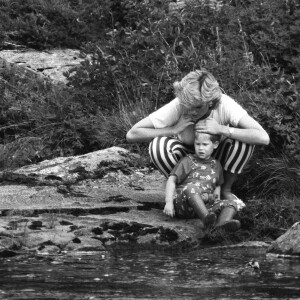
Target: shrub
<point x="141" y="61"/>
<point x="44" y="24"/>
<point x="134" y="56"/>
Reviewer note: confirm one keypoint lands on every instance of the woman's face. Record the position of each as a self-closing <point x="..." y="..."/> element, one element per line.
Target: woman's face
<point x="198" y="111"/>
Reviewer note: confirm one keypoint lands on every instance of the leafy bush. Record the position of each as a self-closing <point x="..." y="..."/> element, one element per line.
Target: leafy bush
<point x="44" y="24"/>
<point x="136" y="49"/>
<point x="47" y="115"/>
<point x="142" y="61"/>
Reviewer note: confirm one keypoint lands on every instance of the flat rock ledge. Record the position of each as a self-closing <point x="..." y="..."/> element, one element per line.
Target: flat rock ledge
<point x="93" y="202"/>
<point x="287" y="245"/>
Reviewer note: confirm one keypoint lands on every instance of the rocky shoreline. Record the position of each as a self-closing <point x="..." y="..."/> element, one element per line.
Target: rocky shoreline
<point x="52" y="207"/>
<point x="96" y="202"/>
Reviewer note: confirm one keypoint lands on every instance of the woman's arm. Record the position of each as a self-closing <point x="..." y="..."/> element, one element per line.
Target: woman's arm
<point x="248" y="131"/>
<point x="169" y="198"/>
<point x="144" y="130"/>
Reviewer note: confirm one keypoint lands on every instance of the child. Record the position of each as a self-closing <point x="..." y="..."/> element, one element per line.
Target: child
<point x="196" y="179"/>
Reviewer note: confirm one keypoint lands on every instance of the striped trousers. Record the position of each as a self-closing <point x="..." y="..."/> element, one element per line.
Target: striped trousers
<point x="165" y="152"/>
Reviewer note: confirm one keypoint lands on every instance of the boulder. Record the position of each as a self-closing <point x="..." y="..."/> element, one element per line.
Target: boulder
<point x="70" y="169"/>
<point x="50" y="65"/>
<point x="287" y="244"/>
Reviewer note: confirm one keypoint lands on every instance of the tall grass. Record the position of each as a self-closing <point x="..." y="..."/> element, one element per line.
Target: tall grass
<point x="277" y="175"/>
<point x="40" y="121"/>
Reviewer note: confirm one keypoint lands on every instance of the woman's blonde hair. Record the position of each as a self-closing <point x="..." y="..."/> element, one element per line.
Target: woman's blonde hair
<point x="197" y="87"/>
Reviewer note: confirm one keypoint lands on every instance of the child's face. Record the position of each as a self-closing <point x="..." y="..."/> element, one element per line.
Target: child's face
<point x="204" y="147"/>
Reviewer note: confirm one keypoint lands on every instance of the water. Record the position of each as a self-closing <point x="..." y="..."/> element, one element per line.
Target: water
<point x="202" y="274"/>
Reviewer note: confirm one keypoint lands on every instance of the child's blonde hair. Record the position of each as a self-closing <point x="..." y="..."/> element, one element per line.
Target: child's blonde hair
<point x="213" y="137"/>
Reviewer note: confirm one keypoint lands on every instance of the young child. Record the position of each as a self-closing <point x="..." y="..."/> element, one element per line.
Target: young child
<point x="196" y="181"/>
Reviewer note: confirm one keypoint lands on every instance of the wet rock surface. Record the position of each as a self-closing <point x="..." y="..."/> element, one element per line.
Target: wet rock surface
<point x="51" y="207"/>
<point x="287" y="244"/>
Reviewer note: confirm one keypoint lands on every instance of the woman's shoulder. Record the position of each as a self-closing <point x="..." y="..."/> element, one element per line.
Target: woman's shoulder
<point x="166" y="115"/>
<point x="225" y="99"/>
<point x="175" y="103"/>
<point x="229" y="111"/>
<point x="170" y="106"/>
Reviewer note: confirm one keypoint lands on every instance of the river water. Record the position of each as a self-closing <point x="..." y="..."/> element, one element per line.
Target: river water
<point x="215" y="273"/>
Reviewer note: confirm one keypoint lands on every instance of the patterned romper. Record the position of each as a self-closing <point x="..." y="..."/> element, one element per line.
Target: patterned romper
<point x="195" y="176"/>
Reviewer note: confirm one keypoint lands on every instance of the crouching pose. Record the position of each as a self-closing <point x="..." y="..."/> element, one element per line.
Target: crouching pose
<point x="170" y="129"/>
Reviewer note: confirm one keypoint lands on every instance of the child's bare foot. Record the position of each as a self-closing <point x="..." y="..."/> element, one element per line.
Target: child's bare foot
<point x="210" y="219"/>
<point x="231" y="225"/>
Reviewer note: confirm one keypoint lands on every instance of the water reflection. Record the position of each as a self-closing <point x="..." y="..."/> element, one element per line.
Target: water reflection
<point x="205" y="274"/>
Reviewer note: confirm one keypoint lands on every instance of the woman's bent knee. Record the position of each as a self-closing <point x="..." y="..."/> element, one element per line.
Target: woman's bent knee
<point x="165" y="152"/>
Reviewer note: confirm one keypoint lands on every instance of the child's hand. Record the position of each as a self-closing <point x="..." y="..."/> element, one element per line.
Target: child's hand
<point x="216" y="197"/>
<point x="169" y="209"/>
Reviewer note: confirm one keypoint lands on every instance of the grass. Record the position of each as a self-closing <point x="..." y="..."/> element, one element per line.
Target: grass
<point x="263" y="219"/>
<point x="278" y="176"/>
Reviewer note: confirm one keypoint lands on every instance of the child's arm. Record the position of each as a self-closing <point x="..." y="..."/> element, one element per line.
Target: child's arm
<point x="170" y="190"/>
<point x="217" y="192"/>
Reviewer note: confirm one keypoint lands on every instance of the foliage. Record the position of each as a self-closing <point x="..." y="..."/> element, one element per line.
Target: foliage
<point x="45" y="24"/>
<point x="273" y="174"/>
<point x="261" y="219"/>
<point x="252" y="50"/>
<point x="269" y="217"/>
<point x="135" y="50"/>
<point x="39" y="121"/>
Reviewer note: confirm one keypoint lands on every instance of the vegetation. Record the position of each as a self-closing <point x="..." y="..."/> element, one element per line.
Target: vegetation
<point x="136" y="50"/>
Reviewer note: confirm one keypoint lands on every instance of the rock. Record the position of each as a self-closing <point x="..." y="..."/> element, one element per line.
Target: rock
<point x="55" y="236"/>
<point x="48" y="250"/>
<point x="85" y="244"/>
<point x="10" y="243"/>
<point x="7" y="253"/>
<point x="36" y="225"/>
<point x="287" y="244"/>
<point x="68" y="170"/>
<point x="42" y="65"/>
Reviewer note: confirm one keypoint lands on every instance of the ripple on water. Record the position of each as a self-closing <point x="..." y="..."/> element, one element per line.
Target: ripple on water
<point x="208" y="274"/>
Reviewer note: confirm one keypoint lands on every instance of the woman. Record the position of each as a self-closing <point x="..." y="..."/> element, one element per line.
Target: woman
<point x="170" y="128"/>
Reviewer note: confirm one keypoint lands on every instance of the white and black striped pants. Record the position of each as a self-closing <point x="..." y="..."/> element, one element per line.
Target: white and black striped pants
<point x="165" y="152"/>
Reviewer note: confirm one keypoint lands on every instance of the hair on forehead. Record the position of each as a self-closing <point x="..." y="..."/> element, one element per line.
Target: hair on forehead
<point x="213" y="137"/>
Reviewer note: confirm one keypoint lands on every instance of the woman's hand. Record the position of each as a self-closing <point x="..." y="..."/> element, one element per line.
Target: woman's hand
<point x="182" y="124"/>
<point x="169" y="209"/>
<point x="208" y="125"/>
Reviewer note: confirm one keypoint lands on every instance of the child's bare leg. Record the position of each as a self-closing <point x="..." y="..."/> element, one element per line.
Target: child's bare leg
<point x="195" y="200"/>
<point x="226" y="221"/>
